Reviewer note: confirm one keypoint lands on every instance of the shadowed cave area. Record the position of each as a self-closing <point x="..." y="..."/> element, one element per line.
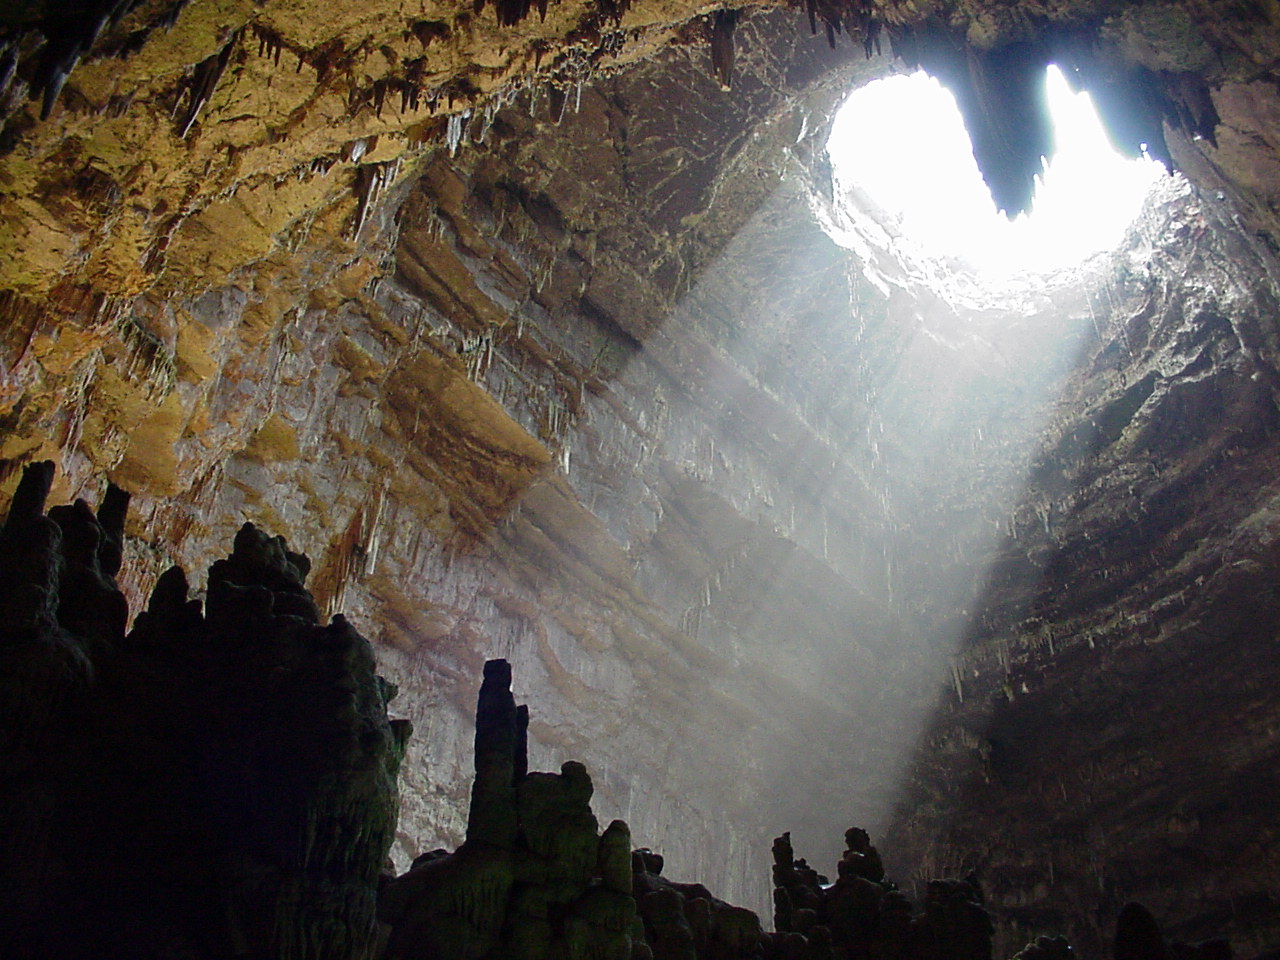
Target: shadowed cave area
<point x="547" y="334"/>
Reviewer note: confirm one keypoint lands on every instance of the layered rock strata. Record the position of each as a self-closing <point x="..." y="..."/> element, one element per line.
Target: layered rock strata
<point x="158" y="145"/>
<point x="1110" y="706"/>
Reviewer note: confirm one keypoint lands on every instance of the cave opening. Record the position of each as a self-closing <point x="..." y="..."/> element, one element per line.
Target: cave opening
<point x="540" y="353"/>
<point x="924" y="184"/>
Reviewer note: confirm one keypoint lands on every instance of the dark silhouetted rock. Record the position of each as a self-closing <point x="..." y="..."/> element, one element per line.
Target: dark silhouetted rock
<point x="534" y="878"/>
<point x="1046" y="948"/>
<point x="1138" y="935"/>
<point x="207" y="787"/>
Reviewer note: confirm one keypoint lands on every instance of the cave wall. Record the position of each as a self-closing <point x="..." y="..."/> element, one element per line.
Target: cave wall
<point x="154" y="150"/>
<point x="1111" y="709"/>
<point x="456" y="443"/>
<point x="538" y="389"/>
<point x="526" y="523"/>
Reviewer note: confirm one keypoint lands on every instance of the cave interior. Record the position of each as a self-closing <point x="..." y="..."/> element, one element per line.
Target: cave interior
<point x="546" y="337"/>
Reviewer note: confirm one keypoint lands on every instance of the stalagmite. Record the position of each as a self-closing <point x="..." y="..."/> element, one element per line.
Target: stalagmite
<point x="534" y="877"/>
<point x="247" y="734"/>
<point x="492" y="819"/>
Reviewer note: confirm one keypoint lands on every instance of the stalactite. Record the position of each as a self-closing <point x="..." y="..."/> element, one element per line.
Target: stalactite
<point x="410" y="97"/>
<point x="19" y="318"/>
<point x="118" y="105"/>
<point x="511" y="12"/>
<point x="148" y="360"/>
<point x="613" y="10"/>
<point x="613" y="42"/>
<point x="370" y="182"/>
<point x="869" y="26"/>
<point x="998" y="93"/>
<point x="455" y="130"/>
<point x="477" y="351"/>
<point x="556" y="100"/>
<point x="8" y="64"/>
<point x="428" y="31"/>
<point x="79" y="395"/>
<point x="69" y="38"/>
<point x="270" y="43"/>
<point x="723" y="24"/>
<point x="170" y="16"/>
<point x="200" y="85"/>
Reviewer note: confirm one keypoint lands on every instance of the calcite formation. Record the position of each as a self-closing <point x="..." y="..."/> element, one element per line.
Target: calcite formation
<point x="534" y="877"/>
<point x="528" y="332"/>
<point x="218" y="782"/>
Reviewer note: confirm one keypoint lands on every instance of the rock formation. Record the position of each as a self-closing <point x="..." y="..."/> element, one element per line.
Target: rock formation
<point x="534" y="877"/>
<point x="1110" y="599"/>
<point x="528" y="332"/>
<point x="218" y="782"/>
<point x="861" y="915"/>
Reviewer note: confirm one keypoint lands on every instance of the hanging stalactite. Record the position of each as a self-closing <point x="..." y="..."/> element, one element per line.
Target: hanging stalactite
<point x="202" y="82"/>
<point x="68" y="39"/>
<point x="371" y="180"/>
<point x="723" y="24"/>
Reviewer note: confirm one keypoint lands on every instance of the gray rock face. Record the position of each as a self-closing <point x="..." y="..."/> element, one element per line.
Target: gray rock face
<point x="1112" y="662"/>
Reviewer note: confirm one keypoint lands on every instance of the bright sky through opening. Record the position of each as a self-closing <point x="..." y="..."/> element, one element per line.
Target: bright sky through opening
<point x="901" y="140"/>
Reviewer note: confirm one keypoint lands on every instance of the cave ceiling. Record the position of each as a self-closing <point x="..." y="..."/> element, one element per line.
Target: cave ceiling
<point x="519" y="320"/>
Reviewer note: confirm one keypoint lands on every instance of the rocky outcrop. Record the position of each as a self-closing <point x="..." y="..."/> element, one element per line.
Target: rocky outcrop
<point x="534" y="877"/>
<point x="684" y="920"/>
<point x="218" y="782"/>
<point x="862" y="915"/>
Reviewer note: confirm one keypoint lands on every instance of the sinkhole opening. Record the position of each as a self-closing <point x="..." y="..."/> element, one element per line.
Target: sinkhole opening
<point x="900" y="143"/>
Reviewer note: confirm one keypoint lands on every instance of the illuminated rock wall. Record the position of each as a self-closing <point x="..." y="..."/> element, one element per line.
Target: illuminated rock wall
<point x="602" y="398"/>
<point x="1109" y="710"/>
